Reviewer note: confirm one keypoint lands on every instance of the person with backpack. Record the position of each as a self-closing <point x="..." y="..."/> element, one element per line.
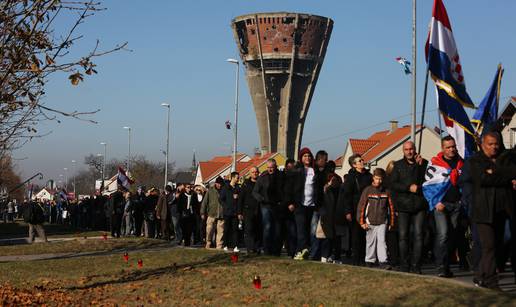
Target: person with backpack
<point x="34" y="216"/>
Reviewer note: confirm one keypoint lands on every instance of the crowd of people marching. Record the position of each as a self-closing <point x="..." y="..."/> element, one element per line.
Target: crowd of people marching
<point x="305" y="210"/>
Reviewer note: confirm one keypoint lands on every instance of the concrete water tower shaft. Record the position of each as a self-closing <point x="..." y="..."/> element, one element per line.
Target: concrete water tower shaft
<point x="283" y="54"/>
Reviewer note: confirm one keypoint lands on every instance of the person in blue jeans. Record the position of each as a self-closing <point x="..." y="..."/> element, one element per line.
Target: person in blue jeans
<point x="447" y="211"/>
<point x="321" y="171"/>
<point x="268" y="192"/>
<point x="302" y="196"/>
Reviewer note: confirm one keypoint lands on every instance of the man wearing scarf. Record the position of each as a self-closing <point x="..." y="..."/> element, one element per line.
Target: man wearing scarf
<point x="443" y="195"/>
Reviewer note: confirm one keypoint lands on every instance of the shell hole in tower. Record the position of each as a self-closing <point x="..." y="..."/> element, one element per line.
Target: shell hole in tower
<point x="276" y="49"/>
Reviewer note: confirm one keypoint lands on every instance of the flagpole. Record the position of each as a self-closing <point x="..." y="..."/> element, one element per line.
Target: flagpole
<point x="423" y="110"/>
<point x="413" y="124"/>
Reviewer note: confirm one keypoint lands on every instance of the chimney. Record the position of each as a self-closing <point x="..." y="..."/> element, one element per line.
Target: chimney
<point x="394" y="125"/>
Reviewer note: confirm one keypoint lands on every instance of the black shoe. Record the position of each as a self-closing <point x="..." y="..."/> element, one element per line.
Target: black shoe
<point x="417" y="270"/>
<point x="445" y="274"/>
<point x="385" y="266"/>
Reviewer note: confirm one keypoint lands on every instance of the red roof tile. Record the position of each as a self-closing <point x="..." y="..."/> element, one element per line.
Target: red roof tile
<point x="210" y="168"/>
<point x="338" y="161"/>
<point x="362" y="146"/>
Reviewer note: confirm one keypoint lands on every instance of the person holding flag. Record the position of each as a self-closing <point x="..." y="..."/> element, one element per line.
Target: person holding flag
<point x="442" y="192"/>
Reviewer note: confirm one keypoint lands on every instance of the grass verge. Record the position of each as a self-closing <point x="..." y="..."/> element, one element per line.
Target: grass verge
<point x="200" y="277"/>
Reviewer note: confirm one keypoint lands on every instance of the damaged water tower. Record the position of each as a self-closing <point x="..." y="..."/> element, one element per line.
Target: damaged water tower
<point x="283" y="54"/>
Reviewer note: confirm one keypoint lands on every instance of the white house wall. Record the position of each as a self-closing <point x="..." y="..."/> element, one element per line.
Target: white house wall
<point x="509" y="134"/>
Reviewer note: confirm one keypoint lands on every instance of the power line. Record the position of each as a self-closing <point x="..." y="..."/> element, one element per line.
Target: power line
<point x="361" y="129"/>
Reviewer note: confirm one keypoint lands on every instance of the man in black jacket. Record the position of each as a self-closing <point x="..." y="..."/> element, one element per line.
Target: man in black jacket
<point x="229" y="201"/>
<point x="357" y="179"/>
<point x="405" y="182"/>
<point x="268" y="192"/>
<point x="249" y="211"/>
<point x="493" y="185"/>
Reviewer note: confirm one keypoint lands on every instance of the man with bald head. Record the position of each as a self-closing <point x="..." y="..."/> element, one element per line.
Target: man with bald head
<point x="493" y="183"/>
<point x="249" y="211"/>
<point x="405" y="182"/>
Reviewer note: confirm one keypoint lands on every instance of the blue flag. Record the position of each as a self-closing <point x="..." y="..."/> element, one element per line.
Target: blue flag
<point x="487" y="112"/>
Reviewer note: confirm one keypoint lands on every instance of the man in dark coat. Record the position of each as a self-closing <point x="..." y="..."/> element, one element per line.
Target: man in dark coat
<point x="268" y="193"/>
<point x="357" y="179"/>
<point x="405" y="183"/>
<point x="139" y="204"/>
<point x="117" y="210"/>
<point x="493" y="183"/>
<point x="229" y="201"/>
<point x="249" y="211"/>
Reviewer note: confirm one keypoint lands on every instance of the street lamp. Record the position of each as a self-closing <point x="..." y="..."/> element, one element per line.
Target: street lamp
<point x="235" y="128"/>
<point x="166" y="105"/>
<point x="104" y="162"/>
<point x="129" y="151"/>
<point x="66" y="178"/>
<point x="74" y="195"/>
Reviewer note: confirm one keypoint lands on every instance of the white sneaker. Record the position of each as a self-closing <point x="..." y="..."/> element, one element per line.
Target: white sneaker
<point x="236" y="250"/>
<point x="225" y="248"/>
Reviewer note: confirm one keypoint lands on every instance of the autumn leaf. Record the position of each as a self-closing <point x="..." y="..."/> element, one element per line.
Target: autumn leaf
<point x="76" y="78"/>
<point x="49" y="60"/>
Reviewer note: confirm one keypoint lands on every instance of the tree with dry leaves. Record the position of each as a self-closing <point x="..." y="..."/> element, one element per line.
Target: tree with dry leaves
<point x="32" y="49"/>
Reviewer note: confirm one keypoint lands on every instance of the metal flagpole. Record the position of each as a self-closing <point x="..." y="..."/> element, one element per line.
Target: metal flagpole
<point x="423" y="111"/>
<point x="414" y="50"/>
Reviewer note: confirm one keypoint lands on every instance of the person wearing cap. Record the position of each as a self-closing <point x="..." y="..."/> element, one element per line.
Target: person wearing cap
<point x="212" y="212"/>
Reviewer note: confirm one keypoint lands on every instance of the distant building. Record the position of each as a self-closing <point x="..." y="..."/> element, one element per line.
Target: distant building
<point x="45" y="194"/>
<point x="385" y="146"/>
<point x="507" y="123"/>
<point x="187" y="177"/>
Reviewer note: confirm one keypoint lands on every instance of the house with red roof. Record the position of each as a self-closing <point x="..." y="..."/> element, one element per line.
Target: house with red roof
<point x="208" y="171"/>
<point x="507" y="123"/>
<point x="386" y="145"/>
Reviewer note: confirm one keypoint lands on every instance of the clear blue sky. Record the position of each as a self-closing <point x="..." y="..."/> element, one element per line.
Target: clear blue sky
<point x="179" y="52"/>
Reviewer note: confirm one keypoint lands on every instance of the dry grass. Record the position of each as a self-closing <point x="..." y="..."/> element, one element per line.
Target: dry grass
<point x="199" y="277"/>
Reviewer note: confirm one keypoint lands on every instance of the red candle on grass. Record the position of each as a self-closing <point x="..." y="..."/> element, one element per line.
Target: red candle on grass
<point x="234" y="257"/>
<point x="126" y="257"/>
<point x="140" y="263"/>
<point x="257" y="283"/>
<point x="104" y="236"/>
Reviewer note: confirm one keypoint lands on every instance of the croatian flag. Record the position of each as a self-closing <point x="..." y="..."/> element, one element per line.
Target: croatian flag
<point x="122" y="179"/>
<point x="443" y="58"/>
<point x="438" y="179"/>
<point x="405" y="63"/>
<point x="444" y="66"/>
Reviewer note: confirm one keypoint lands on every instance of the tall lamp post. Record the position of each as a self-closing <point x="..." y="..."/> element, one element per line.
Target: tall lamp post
<point x="166" y="105"/>
<point x="104" y="162"/>
<point x="129" y="150"/>
<point x="66" y="178"/>
<point x="235" y="128"/>
<point x="73" y="170"/>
